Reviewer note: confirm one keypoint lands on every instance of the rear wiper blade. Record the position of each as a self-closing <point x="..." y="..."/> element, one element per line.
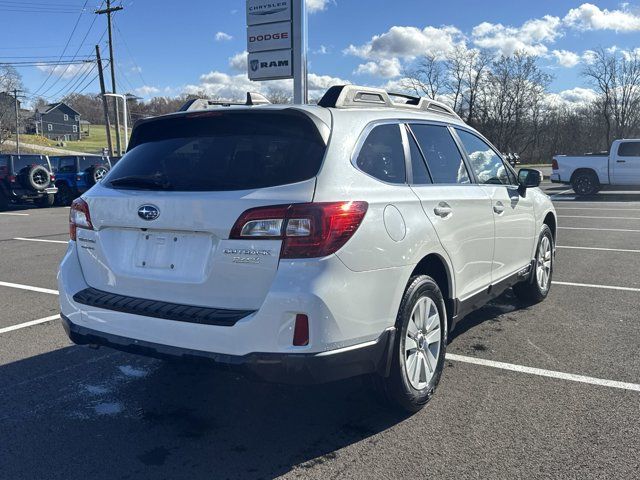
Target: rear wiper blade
<point x="142" y="181"/>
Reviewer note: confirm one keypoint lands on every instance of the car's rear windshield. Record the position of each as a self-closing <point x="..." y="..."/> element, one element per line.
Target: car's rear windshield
<point x="217" y="151"/>
<point x="88" y="162"/>
<point x="20" y="162"/>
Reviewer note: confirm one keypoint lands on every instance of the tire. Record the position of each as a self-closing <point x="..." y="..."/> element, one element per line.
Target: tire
<point x="96" y="174"/>
<point x="536" y="288"/>
<point x="46" y="201"/>
<point x="38" y="177"/>
<point x="65" y="196"/>
<point x="585" y="183"/>
<point x="417" y="358"/>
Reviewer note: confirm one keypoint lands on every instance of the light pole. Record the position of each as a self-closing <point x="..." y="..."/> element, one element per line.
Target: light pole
<point x="126" y="126"/>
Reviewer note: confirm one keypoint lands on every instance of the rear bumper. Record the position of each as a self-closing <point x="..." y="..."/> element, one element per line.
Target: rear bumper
<point x="287" y="368"/>
<point x="26" y="194"/>
<point x="555" y="178"/>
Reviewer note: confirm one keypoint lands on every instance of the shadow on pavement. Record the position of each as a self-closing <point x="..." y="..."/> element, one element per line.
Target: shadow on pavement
<point x="77" y="413"/>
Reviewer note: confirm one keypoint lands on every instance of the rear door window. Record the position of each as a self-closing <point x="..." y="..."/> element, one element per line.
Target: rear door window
<point x="629" y="149"/>
<point x="87" y="162"/>
<point x="445" y="161"/>
<point x="419" y="172"/>
<point x="218" y="151"/>
<point x="24" y="162"/>
<point x="64" y="164"/>
<point x="382" y="154"/>
<point x="485" y="162"/>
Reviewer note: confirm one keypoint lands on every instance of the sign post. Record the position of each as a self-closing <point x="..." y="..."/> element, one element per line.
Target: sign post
<point x="277" y="43"/>
<point x="300" y="90"/>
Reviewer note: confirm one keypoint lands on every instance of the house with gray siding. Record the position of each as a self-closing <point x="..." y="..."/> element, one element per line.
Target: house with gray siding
<point x="58" y="122"/>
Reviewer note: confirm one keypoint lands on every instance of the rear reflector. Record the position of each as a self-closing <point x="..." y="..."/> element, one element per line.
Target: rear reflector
<point x="308" y="230"/>
<point x="301" y="331"/>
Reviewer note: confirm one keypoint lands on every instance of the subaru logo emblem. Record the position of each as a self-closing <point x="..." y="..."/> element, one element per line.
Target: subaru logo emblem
<point x="148" y="212"/>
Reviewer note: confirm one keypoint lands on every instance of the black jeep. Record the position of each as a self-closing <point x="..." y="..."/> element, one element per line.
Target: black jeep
<point x="26" y="178"/>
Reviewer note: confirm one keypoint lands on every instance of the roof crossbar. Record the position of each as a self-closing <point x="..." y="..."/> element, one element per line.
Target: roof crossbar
<point x="206" y="104"/>
<point x="355" y="96"/>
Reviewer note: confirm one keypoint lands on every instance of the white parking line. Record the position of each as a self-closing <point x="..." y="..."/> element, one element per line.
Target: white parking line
<point x="29" y="324"/>
<point x="602" y="218"/>
<point x="600" y="249"/>
<point x="599" y="229"/>
<point x="15" y="214"/>
<point x="28" y="287"/>
<point x="591" y="285"/>
<point x="617" y="209"/>
<point x="544" y="373"/>
<point x="560" y="193"/>
<point x="40" y="240"/>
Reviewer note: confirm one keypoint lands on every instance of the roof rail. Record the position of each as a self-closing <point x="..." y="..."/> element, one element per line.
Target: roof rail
<point x="206" y="104"/>
<point x="354" y="96"/>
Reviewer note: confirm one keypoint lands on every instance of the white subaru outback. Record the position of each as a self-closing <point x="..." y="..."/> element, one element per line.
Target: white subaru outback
<point x="306" y="243"/>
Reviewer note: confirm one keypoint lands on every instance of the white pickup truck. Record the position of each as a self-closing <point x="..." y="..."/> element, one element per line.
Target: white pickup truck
<point x="588" y="174"/>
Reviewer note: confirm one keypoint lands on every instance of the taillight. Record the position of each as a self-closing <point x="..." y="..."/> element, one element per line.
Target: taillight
<point x="554" y="164"/>
<point x="79" y="217"/>
<point x="308" y="230"/>
<point x="12" y="178"/>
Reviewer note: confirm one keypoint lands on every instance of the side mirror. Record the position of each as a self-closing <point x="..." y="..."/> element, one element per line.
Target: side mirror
<point x="528" y="178"/>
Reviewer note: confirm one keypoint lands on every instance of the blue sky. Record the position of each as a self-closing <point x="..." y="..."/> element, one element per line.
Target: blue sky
<point x="167" y="47"/>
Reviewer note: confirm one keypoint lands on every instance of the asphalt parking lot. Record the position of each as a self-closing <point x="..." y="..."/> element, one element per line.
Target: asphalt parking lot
<point x="550" y="391"/>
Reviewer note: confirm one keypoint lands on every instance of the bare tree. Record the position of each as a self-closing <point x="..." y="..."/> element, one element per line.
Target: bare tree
<point x="616" y="77"/>
<point x="428" y="78"/>
<point x="278" y="95"/>
<point x="10" y="79"/>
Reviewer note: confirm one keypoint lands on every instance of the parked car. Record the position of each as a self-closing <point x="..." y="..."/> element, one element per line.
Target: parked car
<point x="75" y="174"/>
<point x="590" y="173"/>
<point x="305" y="243"/>
<point x="26" y="178"/>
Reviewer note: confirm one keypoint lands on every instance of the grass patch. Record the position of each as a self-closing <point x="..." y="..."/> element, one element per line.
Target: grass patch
<point x="94" y="143"/>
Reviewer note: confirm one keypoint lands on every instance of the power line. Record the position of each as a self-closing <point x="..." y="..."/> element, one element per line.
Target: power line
<point x="126" y="46"/>
<point x="75" y="55"/>
<point x="32" y="63"/>
<point x="75" y="26"/>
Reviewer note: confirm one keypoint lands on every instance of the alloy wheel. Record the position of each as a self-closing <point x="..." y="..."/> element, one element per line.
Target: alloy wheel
<point x="422" y="343"/>
<point x="543" y="264"/>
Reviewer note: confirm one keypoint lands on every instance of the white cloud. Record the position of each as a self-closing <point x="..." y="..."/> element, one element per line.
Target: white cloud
<point x="532" y="37"/>
<point x="146" y="91"/>
<point x="314" y="6"/>
<point x="590" y="17"/>
<point x="66" y="71"/>
<point x="573" y="98"/>
<point x="408" y="43"/>
<point x="322" y="50"/>
<point x="223" y="37"/>
<point x="223" y="85"/>
<point x="565" y="58"/>
<point x="238" y="62"/>
<point x="385" y="68"/>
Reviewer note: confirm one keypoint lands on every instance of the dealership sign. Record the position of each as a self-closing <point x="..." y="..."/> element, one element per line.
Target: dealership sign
<point x="269" y="39"/>
<point x="272" y="36"/>
<point x="268" y="11"/>
<point x="270" y="65"/>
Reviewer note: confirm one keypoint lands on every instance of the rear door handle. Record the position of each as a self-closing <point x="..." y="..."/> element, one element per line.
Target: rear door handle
<point x="443" y="210"/>
<point x="498" y="208"/>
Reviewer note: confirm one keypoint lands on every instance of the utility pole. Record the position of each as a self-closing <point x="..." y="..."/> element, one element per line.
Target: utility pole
<point x="15" y="94"/>
<point x="105" y="107"/>
<point x="109" y="10"/>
